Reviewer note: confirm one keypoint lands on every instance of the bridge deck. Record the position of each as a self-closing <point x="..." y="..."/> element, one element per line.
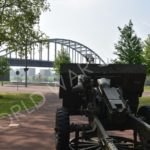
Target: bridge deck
<point x="30" y="63"/>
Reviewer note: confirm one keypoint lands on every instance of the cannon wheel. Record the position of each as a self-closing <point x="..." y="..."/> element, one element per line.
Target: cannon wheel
<point x="121" y="143"/>
<point x="144" y="114"/>
<point x="62" y="132"/>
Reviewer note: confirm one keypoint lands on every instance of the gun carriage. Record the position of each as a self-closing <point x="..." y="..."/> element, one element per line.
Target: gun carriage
<point x="109" y="97"/>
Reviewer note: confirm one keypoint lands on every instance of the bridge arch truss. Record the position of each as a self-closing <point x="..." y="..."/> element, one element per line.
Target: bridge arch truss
<point x="47" y="51"/>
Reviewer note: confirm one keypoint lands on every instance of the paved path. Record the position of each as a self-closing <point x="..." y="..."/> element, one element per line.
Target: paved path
<point x="146" y="94"/>
<point x="31" y="131"/>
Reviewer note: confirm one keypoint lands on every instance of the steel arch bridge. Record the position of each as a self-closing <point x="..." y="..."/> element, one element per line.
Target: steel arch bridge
<point x="43" y="53"/>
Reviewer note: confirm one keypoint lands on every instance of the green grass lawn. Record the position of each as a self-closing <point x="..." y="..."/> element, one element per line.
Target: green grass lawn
<point x="146" y="88"/>
<point x="10" y="103"/>
<point x="144" y="101"/>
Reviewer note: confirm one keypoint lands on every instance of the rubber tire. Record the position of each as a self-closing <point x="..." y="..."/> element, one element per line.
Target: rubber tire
<point x="144" y="114"/>
<point x="144" y="111"/>
<point x="62" y="130"/>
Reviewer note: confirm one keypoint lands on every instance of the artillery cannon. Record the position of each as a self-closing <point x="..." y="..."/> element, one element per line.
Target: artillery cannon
<point x="109" y="97"/>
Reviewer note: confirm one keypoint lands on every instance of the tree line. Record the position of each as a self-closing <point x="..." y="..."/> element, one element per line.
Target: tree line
<point x="130" y="49"/>
<point x="19" y="26"/>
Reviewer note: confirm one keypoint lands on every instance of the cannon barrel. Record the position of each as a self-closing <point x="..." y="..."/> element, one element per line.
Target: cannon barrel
<point x="109" y="97"/>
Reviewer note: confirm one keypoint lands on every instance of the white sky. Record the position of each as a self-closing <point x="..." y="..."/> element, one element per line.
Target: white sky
<point x="94" y="22"/>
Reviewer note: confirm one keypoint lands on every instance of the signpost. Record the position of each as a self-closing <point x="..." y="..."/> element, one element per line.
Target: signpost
<point x="17" y="73"/>
<point x="26" y="68"/>
<point x="26" y="76"/>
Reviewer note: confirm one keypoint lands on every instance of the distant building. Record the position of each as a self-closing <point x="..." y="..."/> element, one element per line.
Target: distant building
<point x="12" y="73"/>
<point x="45" y="72"/>
<point x="22" y="73"/>
<point x="44" y="75"/>
<point x="13" y="76"/>
<point x="31" y="72"/>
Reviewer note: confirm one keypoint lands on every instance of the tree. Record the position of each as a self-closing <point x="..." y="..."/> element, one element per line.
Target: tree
<point x="147" y="53"/>
<point x="62" y="58"/>
<point x="129" y="47"/>
<point x="19" y="23"/>
<point x="4" y="67"/>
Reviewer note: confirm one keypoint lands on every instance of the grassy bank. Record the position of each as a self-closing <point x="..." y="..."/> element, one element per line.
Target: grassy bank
<point x="146" y="88"/>
<point x="11" y="103"/>
<point x="144" y="101"/>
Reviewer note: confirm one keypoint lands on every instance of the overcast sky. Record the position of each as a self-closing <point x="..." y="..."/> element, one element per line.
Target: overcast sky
<point x="94" y="22"/>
